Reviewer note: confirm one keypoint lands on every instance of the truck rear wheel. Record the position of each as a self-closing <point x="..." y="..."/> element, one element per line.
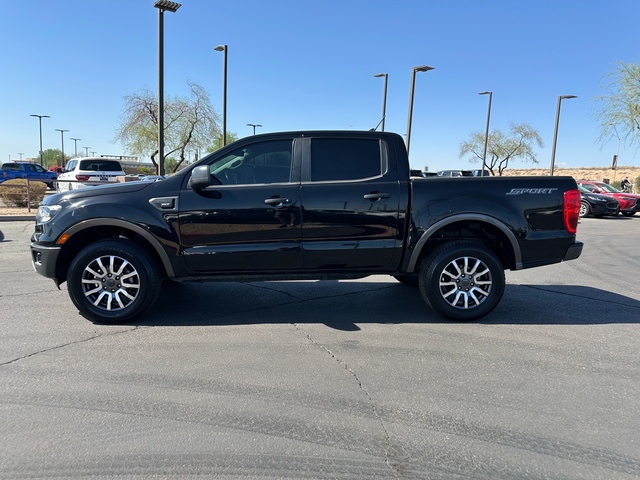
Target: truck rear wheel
<point x="462" y="280"/>
<point x="113" y="281"/>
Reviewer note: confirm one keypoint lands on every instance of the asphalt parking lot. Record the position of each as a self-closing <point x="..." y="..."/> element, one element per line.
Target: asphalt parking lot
<point x="349" y="379"/>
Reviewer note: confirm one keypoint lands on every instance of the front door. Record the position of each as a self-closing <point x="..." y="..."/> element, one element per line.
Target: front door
<point x="250" y="220"/>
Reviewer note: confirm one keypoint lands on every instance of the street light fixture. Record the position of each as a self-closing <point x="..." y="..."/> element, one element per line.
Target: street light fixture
<point x="555" y="131"/>
<point x="40" y="117"/>
<point x="486" y="133"/>
<point x="62" y="136"/>
<point x="384" y="97"/>
<point x="422" y="68"/>
<point x="254" y="125"/>
<point x="162" y="6"/>
<point x="75" y="140"/>
<point x="20" y="155"/>
<point x="86" y="151"/>
<point x="224" y="49"/>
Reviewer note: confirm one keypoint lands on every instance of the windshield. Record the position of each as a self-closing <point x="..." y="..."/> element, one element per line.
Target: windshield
<point x="101" y="165"/>
<point x="608" y="188"/>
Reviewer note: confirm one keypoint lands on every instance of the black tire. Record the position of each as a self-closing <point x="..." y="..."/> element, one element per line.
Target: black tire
<point x="628" y="214"/>
<point x="409" y="279"/>
<point x="113" y="281"/>
<point x="585" y="210"/>
<point x="462" y="281"/>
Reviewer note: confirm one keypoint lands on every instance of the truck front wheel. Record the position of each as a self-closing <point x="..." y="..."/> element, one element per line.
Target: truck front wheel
<point x="113" y="281"/>
<point x="462" y="280"/>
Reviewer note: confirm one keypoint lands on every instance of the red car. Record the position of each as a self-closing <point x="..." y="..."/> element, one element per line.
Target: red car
<point x="629" y="202"/>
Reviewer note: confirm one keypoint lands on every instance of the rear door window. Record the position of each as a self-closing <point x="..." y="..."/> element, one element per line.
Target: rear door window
<point x="335" y="159"/>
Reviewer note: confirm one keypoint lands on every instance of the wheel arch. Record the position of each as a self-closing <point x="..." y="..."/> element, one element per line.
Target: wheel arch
<point x="484" y="229"/>
<point x="89" y="231"/>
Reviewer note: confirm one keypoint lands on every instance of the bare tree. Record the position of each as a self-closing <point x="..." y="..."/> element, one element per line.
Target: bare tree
<point x="618" y="110"/>
<point x="502" y="148"/>
<point x="190" y="124"/>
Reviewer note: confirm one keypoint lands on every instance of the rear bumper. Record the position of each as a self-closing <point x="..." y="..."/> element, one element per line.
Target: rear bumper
<point x="573" y="251"/>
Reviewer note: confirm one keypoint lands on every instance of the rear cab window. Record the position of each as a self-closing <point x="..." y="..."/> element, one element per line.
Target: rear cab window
<point x="335" y="159"/>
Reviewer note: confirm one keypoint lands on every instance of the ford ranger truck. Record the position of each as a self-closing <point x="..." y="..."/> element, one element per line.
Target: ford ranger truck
<point x="304" y="205"/>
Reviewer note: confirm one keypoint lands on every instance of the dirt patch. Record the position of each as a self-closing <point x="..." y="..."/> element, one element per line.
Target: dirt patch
<point x="592" y="173"/>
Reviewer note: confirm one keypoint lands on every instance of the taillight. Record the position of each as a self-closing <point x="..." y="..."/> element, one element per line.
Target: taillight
<point x="571" y="210"/>
<point x="82" y="178"/>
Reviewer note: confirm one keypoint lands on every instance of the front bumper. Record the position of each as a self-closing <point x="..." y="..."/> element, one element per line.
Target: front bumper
<point x="604" y="209"/>
<point x="44" y="259"/>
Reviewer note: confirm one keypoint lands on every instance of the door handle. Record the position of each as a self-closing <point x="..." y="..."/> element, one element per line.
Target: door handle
<point x="276" y="201"/>
<point x="374" y="196"/>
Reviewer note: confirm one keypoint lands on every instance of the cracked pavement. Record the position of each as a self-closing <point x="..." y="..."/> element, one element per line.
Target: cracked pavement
<point x="354" y="379"/>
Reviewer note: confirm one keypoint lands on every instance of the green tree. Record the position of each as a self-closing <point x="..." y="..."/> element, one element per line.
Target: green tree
<point x="52" y="156"/>
<point x="189" y="125"/>
<point x="618" y="109"/>
<point x="502" y="148"/>
<point x="218" y="142"/>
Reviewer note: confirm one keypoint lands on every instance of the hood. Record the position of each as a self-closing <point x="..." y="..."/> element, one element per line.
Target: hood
<point x="98" y="190"/>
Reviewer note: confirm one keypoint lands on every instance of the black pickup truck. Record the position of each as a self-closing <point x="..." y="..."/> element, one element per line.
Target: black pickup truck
<point x="304" y="205"/>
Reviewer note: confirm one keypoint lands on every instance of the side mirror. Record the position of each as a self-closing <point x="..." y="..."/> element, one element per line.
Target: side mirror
<point x="201" y="178"/>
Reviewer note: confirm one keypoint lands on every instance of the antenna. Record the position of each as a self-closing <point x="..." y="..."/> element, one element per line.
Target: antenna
<point x="374" y="129"/>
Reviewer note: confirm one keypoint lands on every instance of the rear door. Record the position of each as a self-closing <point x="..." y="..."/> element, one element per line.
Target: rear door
<point x="251" y="220"/>
<point x="351" y="196"/>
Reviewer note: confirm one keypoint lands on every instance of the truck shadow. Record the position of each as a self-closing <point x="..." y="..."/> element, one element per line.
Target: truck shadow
<point x="344" y="305"/>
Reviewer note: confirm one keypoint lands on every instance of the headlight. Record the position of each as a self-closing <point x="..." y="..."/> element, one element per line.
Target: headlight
<point x="47" y="212"/>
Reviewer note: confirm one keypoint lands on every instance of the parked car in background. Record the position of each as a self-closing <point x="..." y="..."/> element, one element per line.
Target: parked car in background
<point x="27" y="170"/>
<point x="464" y="173"/>
<point x="85" y="172"/>
<point x="629" y="202"/>
<point x="455" y="173"/>
<point x="596" y="204"/>
<point x="422" y="174"/>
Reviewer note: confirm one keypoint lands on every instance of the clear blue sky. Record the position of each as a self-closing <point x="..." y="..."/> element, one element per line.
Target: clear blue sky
<point x="296" y="64"/>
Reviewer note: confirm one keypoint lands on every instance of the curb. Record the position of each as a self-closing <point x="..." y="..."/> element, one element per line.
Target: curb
<point x="17" y="218"/>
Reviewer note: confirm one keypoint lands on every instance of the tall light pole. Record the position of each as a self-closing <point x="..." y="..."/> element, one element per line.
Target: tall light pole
<point x="40" y="117"/>
<point x="555" y="131"/>
<point x="422" y="68"/>
<point x="254" y="125"/>
<point x="75" y="141"/>
<point x="162" y="6"/>
<point x="486" y="133"/>
<point x="384" y="96"/>
<point x="614" y="163"/>
<point x="62" y="137"/>
<point x="224" y="49"/>
<point x="20" y="155"/>
<point x="86" y="151"/>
